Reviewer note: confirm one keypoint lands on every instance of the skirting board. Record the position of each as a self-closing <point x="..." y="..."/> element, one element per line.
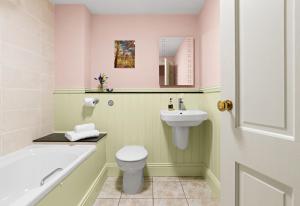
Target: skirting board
<point x="213" y="182"/>
<point x="92" y="193"/>
<point x="163" y="169"/>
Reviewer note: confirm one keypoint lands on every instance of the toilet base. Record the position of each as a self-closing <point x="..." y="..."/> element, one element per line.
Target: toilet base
<point x="133" y="181"/>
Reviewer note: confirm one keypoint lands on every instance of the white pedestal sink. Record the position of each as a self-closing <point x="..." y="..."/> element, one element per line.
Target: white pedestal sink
<point x="181" y="121"/>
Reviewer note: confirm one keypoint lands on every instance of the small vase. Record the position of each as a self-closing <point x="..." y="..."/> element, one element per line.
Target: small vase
<point x="101" y="87"/>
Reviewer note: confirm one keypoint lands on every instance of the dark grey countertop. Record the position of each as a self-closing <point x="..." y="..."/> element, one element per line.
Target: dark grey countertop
<point x="60" y="137"/>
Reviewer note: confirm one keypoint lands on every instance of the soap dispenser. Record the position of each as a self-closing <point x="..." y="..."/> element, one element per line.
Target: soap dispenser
<point x="170" y="106"/>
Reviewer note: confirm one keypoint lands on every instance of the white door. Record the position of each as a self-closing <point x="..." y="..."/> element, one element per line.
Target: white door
<point x="260" y="141"/>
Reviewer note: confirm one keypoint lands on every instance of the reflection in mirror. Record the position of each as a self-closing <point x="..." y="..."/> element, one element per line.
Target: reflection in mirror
<point x="176" y="61"/>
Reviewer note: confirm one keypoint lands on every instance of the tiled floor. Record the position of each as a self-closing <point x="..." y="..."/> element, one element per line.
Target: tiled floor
<point x="158" y="191"/>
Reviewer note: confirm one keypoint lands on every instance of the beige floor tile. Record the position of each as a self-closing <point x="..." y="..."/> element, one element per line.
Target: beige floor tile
<point x="183" y="179"/>
<point x="165" y="179"/>
<point x="145" y="193"/>
<point x="210" y="202"/>
<point x="110" y="189"/>
<point x="196" y="190"/>
<point x="107" y="202"/>
<point x="170" y="202"/>
<point x="136" y="202"/>
<point x="167" y="190"/>
<point x="195" y="202"/>
<point x="201" y="202"/>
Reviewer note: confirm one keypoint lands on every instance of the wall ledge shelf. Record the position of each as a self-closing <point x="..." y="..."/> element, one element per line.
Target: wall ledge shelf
<point x="139" y="91"/>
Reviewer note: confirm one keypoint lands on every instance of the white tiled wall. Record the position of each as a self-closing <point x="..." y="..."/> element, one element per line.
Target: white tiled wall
<point x="26" y="72"/>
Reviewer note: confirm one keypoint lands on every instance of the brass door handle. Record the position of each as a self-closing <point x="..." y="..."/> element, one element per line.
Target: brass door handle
<point x="226" y="105"/>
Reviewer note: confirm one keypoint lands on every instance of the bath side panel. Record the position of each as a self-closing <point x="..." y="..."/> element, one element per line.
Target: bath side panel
<point x="83" y="184"/>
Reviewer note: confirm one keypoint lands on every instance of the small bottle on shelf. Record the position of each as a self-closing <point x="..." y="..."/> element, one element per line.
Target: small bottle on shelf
<point x="170" y="106"/>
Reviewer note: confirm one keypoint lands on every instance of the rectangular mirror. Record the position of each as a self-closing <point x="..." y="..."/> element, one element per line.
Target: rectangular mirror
<point x="176" y="61"/>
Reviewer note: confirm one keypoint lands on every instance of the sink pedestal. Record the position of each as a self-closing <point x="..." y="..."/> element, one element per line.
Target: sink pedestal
<point x="181" y="121"/>
<point x="180" y="137"/>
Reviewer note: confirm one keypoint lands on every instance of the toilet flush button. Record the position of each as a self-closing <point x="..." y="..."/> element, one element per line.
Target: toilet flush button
<point x="110" y="102"/>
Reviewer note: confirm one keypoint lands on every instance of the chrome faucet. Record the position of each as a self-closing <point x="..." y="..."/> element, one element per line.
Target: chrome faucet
<point x="181" y="104"/>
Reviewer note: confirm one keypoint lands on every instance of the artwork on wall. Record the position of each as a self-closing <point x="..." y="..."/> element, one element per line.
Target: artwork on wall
<point x="124" y="54"/>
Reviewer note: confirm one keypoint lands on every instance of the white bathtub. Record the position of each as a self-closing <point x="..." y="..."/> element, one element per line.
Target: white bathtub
<point x="21" y="172"/>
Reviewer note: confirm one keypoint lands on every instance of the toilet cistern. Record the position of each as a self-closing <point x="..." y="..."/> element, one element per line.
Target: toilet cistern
<point x="181" y="121"/>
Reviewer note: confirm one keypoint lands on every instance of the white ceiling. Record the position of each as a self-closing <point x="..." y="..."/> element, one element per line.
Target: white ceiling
<point x="138" y="6"/>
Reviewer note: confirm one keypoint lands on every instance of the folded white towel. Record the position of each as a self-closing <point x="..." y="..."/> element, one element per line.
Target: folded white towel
<point x="84" y="127"/>
<point x="74" y="136"/>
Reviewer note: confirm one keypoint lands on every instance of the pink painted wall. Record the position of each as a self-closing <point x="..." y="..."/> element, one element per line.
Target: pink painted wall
<point x="84" y="46"/>
<point x="208" y="54"/>
<point x="72" y="46"/>
<point x="87" y="45"/>
<point x="146" y="31"/>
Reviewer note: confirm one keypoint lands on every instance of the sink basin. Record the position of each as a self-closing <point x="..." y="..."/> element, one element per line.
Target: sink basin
<point x="183" y="118"/>
<point x="181" y="121"/>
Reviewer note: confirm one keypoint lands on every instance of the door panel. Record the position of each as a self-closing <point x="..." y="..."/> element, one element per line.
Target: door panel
<point x="262" y="56"/>
<point x="257" y="189"/>
<point x="260" y="59"/>
<point x="266" y="66"/>
<point x="254" y="192"/>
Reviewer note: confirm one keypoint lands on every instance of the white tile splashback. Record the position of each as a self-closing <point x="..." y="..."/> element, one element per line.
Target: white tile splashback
<point x="26" y="72"/>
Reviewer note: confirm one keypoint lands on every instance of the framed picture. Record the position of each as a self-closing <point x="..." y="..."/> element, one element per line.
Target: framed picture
<point x="124" y="54"/>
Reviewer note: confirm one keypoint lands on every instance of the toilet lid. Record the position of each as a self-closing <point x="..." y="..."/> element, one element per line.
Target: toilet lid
<point x="132" y="153"/>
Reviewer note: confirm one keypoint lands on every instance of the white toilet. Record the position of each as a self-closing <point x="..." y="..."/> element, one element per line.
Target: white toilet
<point x="132" y="160"/>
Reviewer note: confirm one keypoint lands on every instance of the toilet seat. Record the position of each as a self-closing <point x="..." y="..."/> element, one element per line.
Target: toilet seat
<point x="132" y="153"/>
